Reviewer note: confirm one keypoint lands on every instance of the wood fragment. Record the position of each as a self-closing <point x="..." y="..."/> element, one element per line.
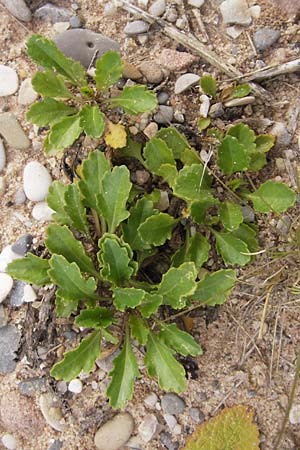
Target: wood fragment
<point x="196" y="12"/>
<point x="270" y="72"/>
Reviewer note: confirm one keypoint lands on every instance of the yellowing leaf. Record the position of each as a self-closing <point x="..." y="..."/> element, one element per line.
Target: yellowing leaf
<point x="116" y="136"/>
<point x="232" y="429"/>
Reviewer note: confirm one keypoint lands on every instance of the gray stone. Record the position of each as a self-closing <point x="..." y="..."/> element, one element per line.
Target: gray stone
<point x="248" y="214"/>
<point x="16" y="298"/>
<point x="197" y="415"/>
<point x="235" y="11"/>
<point x="53" y="13"/>
<point x="284" y="224"/>
<point x="157" y="8"/>
<point x="83" y="45"/>
<point x="162" y="98"/>
<point x="22" y="245"/>
<point x="12" y="131"/>
<point x="216" y="110"/>
<point x="3" y="317"/>
<point x="136" y="27"/>
<point x="185" y="81"/>
<point x="164" y="114"/>
<point x="75" y="22"/>
<point x="2" y="156"/>
<point x="36" y="181"/>
<point x="20" y="197"/>
<point x="172" y="404"/>
<point x="8" y="81"/>
<point x="31" y="386"/>
<point x="18" y="9"/>
<point x="265" y="38"/>
<point x="148" y="428"/>
<point x="27" y="94"/>
<point x="280" y="131"/>
<point x="114" y="433"/>
<point x="166" y="440"/>
<point x="9" y="344"/>
<point x="56" y="445"/>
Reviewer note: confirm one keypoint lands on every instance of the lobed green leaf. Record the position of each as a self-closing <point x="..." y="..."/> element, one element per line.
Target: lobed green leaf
<point x="156" y="229"/>
<point x="182" y="342"/>
<point x="177" y="284"/>
<point x="273" y="196"/>
<point x="92" y="120"/>
<point x="232" y="249"/>
<point x="48" y="112"/>
<point x="97" y="318"/>
<point x="231" y="215"/>
<point x="214" y="288"/>
<point x="65" y="132"/>
<point x="135" y="100"/>
<point x="109" y="69"/>
<point x="31" y="269"/>
<point x="127" y="297"/>
<point x="50" y="85"/>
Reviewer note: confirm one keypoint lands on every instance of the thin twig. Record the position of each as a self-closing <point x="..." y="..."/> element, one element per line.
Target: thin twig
<point x="196" y="12"/>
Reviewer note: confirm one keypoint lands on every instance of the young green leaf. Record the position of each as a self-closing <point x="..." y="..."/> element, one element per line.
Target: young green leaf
<point x="157" y="229"/>
<point x="150" y="304"/>
<point x="97" y="318"/>
<point x="72" y="285"/>
<point x="264" y="142"/>
<point x="115" y="259"/>
<point x="56" y="201"/>
<point x="92" y="121"/>
<point x="177" y="284"/>
<point x="127" y="297"/>
<point x="241" y="90"/>
<point x="244" y="135"/>
<point x="63" y="307"/>
<point x="209" y="85"/>
<point x="135" y="100"/>
<point x="75" y="209"/>
<point x="123" y="375"/>
<point x="109" y="69"/>
<point x="139" y="329"/>
<point x="133" y="149"/>
<point x="192" y="182"/>
<point x="82" y="359"/>
<point x="232" y="156"/>
<point x="48" y="112"/>
<point x="50" y="85"/>
<point x="61" y="241"/>
<point x="93" y="170"/>
<point x="203" y="123"/>
<point x="109" y="337"/>
<point x="156" y="153"/>
<point x="179" y="340"/>
<point x="112" y="199"/>
<point x="65" y="132"/>
<point x="46" y="54"/>
<point x="198" y="209"/>
<point x="231" y="215"/>
<point x="214" y="288"/>
<point x="175" y="141"/>
<point x="160" y="362"/>
<point x="273" y="196"/>
<point x="138" y="214"/>
<point x="233" y="250"/>
<point x="190" y="156"/>
<point x="31" y="269"/>
<point x="257" y="161"/>
<point x="248" y="235"/>
<point x="196" y="250"/>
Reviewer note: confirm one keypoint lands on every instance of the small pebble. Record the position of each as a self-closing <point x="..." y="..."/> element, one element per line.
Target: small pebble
<point x="240" y="101"/>
<point x="235" y="11"/>
<point x="166" y="440"/>
<point x="152" y="72"/>
<point x="148" y="428"/>
<point x="2" y="156"/>
<point x="151" y="400"/>
<point x="170" y="421"/>
<point x="131" y="72"/>
<point x="110" y="9"/>
<point x="36" y="181"/>
<point x="157" y="8"/>
<point x="162" y="98"/>
<point x="22" y="245"/>
<point x="6" y="284"/>
<point x="216" y="110"/>
<point x="197" y="415"/>
<point x="294" y="415"/>
<point x="52" y="413"/>
<point x="164" y="201"/>
<point x="172" y="404"/>
<point x="27" y="94"/>
<point x="136" y="27"/>
<point x="179" y="117"/>
<point x="12" y="131"/>
<point x="115" y="433"/>
<point x="196" y="3"/>
<point x="29" y="294"/>
<point x="9" y="441"/>
<point x="142" y="176"/>
<point x="56" y="445"/>
<point x="181" y="23"/>
<point x="284" y="225"/>
<point x="151" y="130"/>
<point x="164" y="114"/>
<point x="248" y="214"/>
<point x="42" y="212"/>
<point x="255" y="11"/>
<point x="75" y="386"/>
<point x="143" y="38"/>
<point x="75" y="22"/>
<point x="16" y="298"/>
<point x="8" y="81"/>
<point x="185" y="81"/>
<point x="7" y="256"/>
<point x="18" y="9"/>
<point x="175" y="61"/>
<point x="265" y="38"/>
<point x="235" y="31"/>
<point x="53" y="13"/>
<point x="280" y="131"/>
<point x="60" y="27"/>
<point x="205" y="105"/>
<point x="171" y="15"/>
<point x="62" y="387"/>
<point x="20" y="197"/>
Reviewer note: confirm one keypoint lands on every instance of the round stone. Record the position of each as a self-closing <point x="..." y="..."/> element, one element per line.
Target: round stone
<point x="36" y="181"/>
<point x="114" y="433"/>
<point x="9" y="441"/>
<point x="75" y="386"/>
<point x="157" y="8"/>
<point x="185" y="81"/>
<point x="42" y="212"/>
<point x="8" y="81"/>
<point x="294" y="415"/>
<point x="164" y="114"/>
<point x="18" y="9"/>
<point x="6" y="284"/>
<point x="136" y="27"/>
<point x="27" y="94"/>
<point x="172" y="404"/>
<point x="29" y="294"/>
<point x="2" y="156"/>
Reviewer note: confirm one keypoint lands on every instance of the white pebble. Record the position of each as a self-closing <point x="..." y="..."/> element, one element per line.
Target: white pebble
<point x="170" y="421"/>
<point x="75" y="386"/>
<point x="27" y="94"/>
<point x="157" y="8"/>
<point x="151" y="400"/>
<point x="6" y="284"/>
<point x="295" y="415"/>
<point x="29" y="295"/>
<point x="196" y="3"/>
<point x="9" y="441"/>
<point x="2" y="156"/>
<point x="185" y="81"/>
<point x="42" y="212"/>
<point x="205" y="105"/>
<point x="8" y="81"/>
<point x="6" y="257"/>
<point x="36" y="181"/>
<point x="255" y="11"/>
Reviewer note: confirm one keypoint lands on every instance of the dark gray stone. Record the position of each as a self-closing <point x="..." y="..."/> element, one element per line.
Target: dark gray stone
<point x="31" y="386"/>
<point x="136" y="27"/>
<point x="22" y="245"/>
<point x="57" y="445"/>
<point x="166" y="440"/>
<point x="162" y="98"/>
<point x="17" y="294"/>
<point x="172" y="404"/>
<point x="82" y="45"/>
<point x="265" y="38"/>
<point x="197" y="415"/>
<point x="3" y="317"/>
<point x="164" y="114"/>
<point x="53" y="13"/>
<point x="75" y="22"/>
<point x="9" y="344"/>
<point x="18" y="9"/>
